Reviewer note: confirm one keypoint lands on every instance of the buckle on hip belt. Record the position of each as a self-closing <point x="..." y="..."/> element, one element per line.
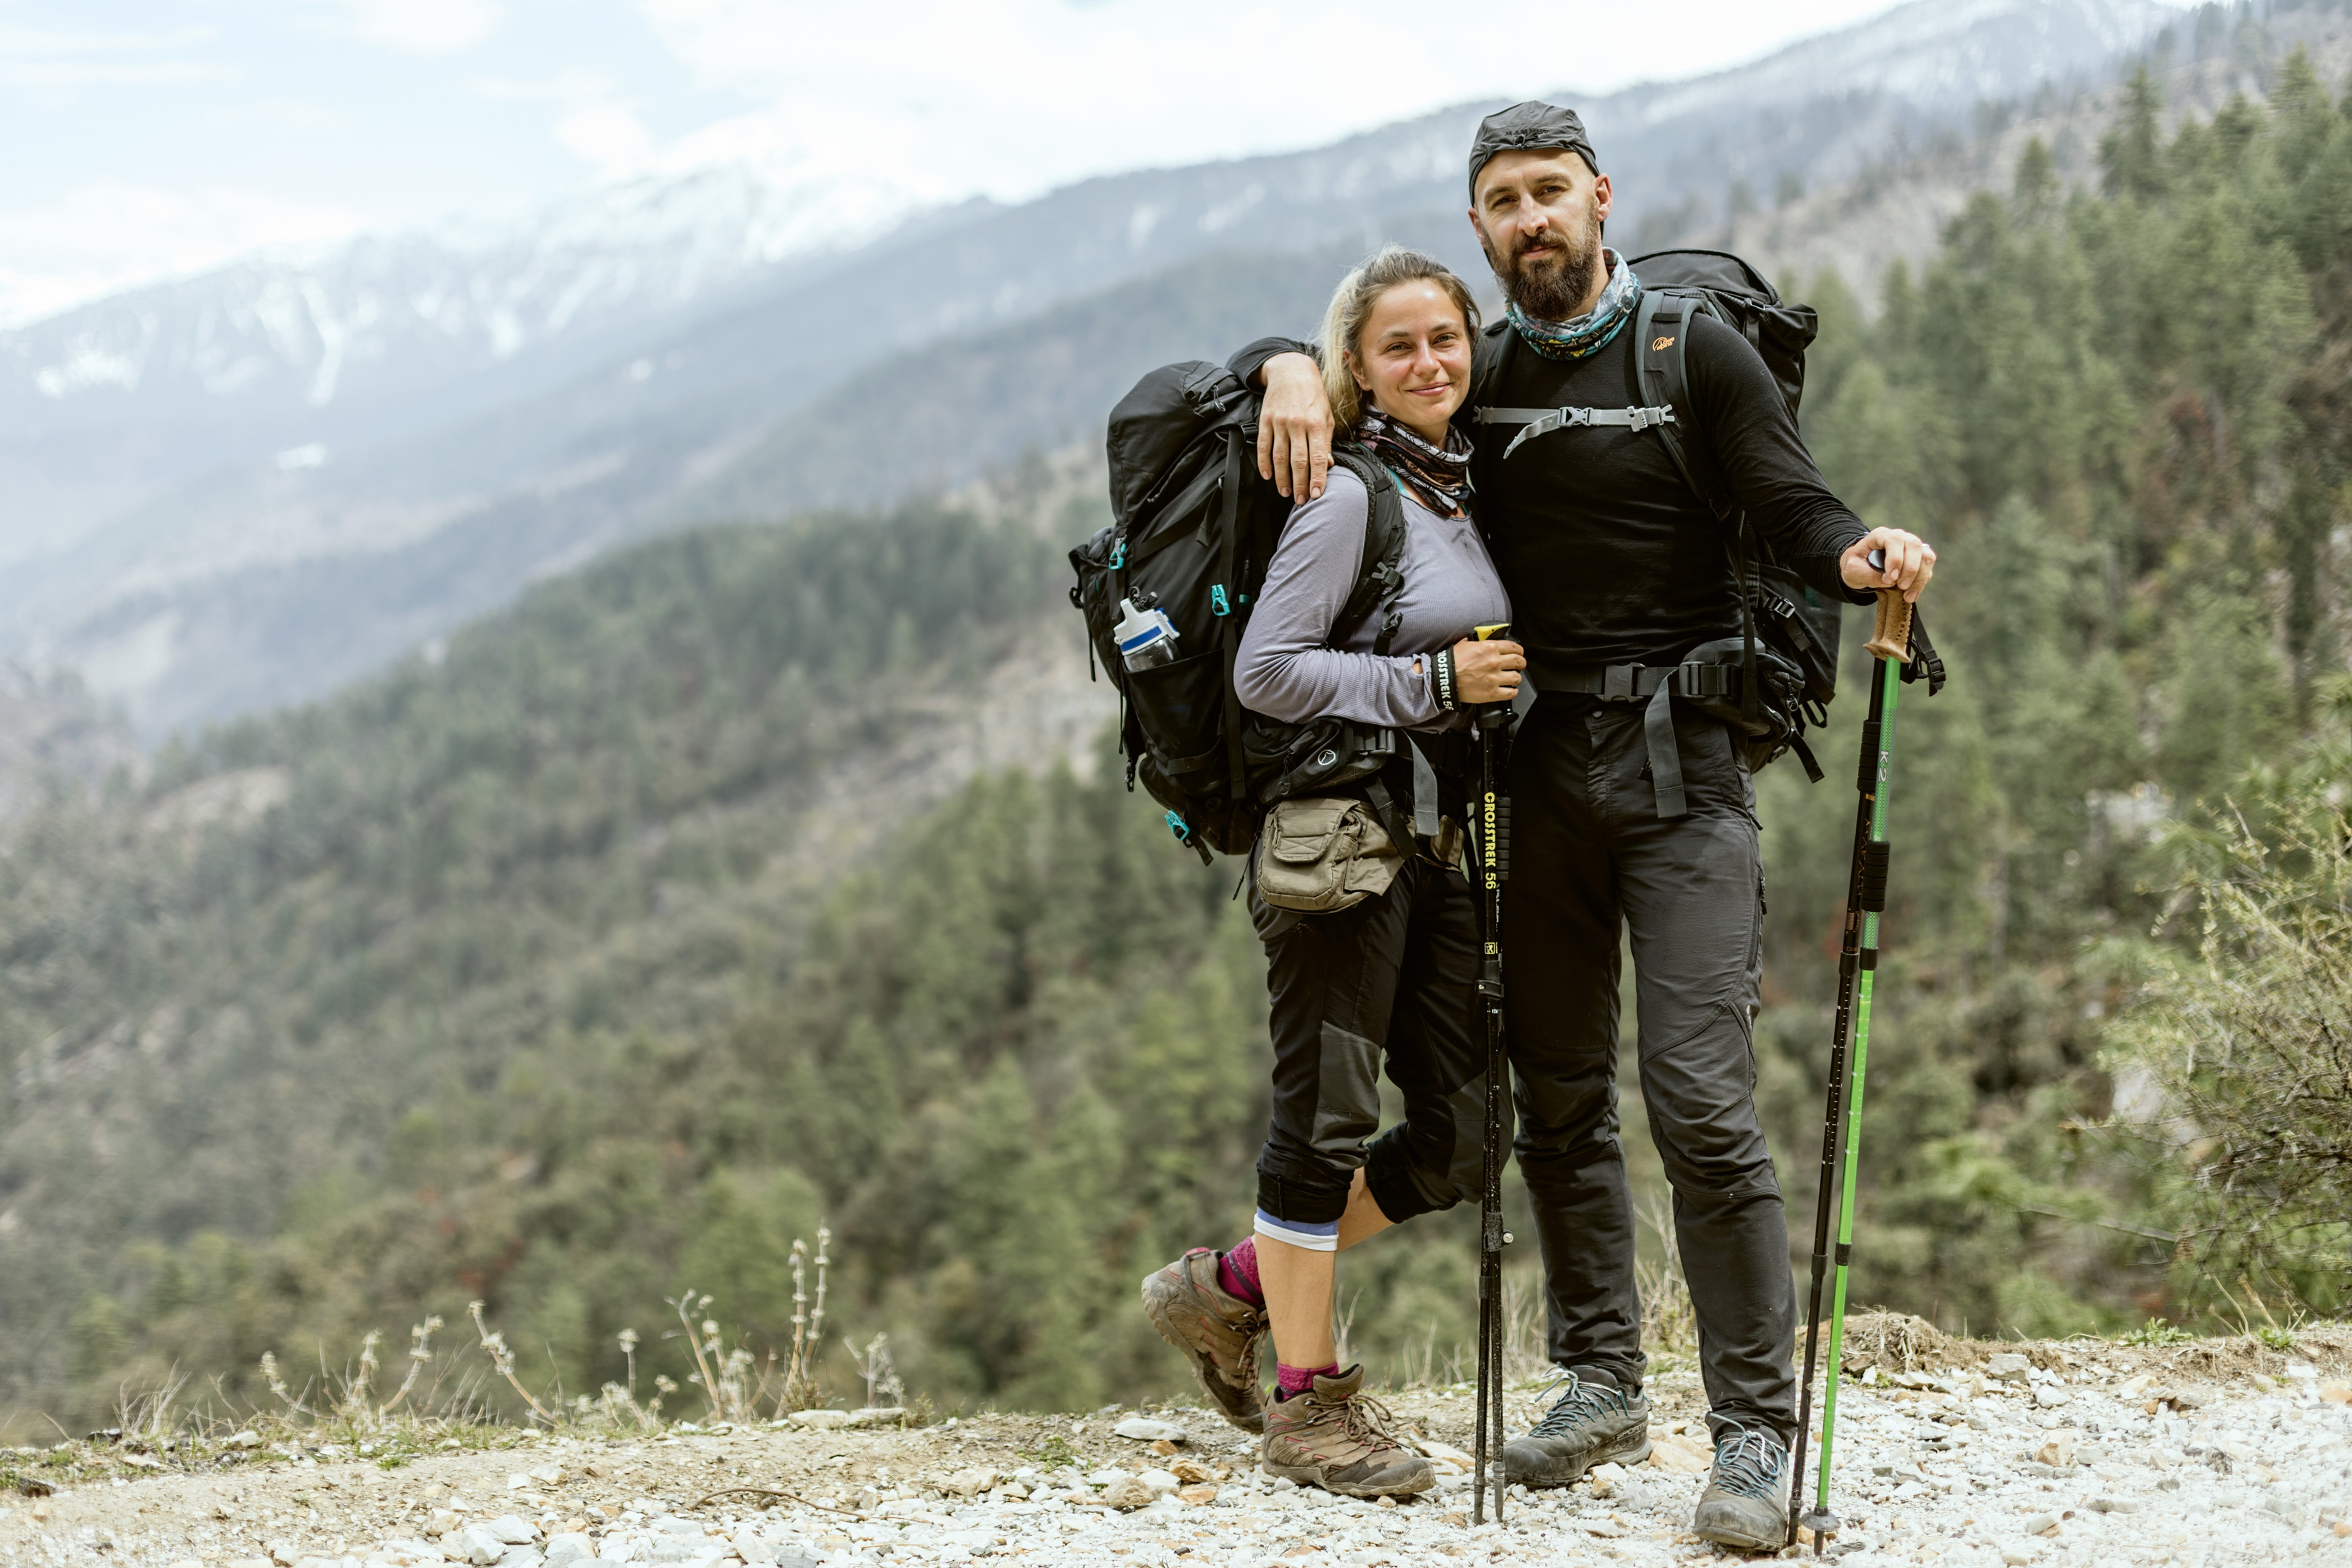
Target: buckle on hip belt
<point x="1694" y="678"/>
<point x="1617" y="682"/>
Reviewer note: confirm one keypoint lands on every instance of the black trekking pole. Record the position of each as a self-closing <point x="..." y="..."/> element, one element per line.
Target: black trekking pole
<point x="1494" y="810"/>
<point x="1889" y="645"/>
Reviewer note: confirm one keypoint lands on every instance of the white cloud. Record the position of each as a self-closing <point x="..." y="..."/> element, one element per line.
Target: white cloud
<point x="421" y="27"/>
<point x="44" y="58"/>
<point x="569" y="86"/>
<point x="605" y="135"/>
<point x="110" y="234"/>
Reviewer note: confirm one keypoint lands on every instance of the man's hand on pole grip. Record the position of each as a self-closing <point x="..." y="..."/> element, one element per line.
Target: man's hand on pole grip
<point x="1294" y="426"/>
<point x="1910" y="562"/>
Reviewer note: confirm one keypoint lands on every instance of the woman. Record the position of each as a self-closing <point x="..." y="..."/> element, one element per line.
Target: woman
<point x="1395" y="972"/>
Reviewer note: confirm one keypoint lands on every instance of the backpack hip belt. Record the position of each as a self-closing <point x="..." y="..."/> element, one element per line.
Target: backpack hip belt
<point x="1655" y="686"/>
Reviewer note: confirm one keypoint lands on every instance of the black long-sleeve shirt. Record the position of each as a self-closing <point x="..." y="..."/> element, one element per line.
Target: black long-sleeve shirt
<point x="1608" y="556"/>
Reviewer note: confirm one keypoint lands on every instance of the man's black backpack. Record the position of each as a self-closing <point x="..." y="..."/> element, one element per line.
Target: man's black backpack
<point x="1192" y="529"/>
<point x="1787" y="652"/>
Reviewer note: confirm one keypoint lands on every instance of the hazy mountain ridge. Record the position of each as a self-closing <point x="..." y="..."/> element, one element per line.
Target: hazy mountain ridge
<point x="643" y="396"/>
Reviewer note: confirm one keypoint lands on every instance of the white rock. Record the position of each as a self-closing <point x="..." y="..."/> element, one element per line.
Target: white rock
<point x="520" y="1557"/>
<point x="549" y="1475"/>
<point x="1127" y="1492"/>
<point x="513" y="1529"/>
<point x="969" y="1483"/>
<point x="2009" y="1367"/>
<point x="2050" y="1397"/>
<point x="569" y="1548"/>
<point x="478" y="1545"/>
<point x="1144" y="1429"/>
<point x="1159" y="1481"/>
<point x="243" y="1440"/>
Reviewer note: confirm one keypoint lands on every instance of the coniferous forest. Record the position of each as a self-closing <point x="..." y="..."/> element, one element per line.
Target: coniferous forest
<point x="499" y="978"/>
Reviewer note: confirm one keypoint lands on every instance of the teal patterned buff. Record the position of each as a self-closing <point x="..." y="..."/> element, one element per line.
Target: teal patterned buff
<point x="1576" y="339"/>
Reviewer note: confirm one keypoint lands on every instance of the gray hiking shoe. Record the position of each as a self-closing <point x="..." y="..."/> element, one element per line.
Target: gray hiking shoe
<point x="1217" y="1330"/>
<point x="1746" y="1504"/>
<point x="1593" y="1422"/>
<point x="1339" y="1438"/>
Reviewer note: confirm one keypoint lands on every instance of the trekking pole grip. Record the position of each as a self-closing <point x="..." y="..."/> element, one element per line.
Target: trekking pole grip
<point x="1890" y="637"/>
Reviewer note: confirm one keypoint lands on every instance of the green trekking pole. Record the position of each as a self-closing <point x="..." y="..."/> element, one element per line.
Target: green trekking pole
<point x="1890" y="645"/>
<point x="1826" y="1187"/>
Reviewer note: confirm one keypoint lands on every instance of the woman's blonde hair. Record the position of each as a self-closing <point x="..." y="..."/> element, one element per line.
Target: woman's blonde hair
<point x="1352" y="306"/>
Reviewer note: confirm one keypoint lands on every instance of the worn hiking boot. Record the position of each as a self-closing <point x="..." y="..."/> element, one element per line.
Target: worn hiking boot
<point x="1337" y="1437"/>
<point x="1591" y="1423"/>
<point x="1746" y="1504"/>
<point x="1217" y="1330"/>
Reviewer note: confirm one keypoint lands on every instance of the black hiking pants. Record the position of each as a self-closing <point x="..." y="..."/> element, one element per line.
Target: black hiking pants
<point x="1395" y="977"/>
<point x="1590" y="856"/>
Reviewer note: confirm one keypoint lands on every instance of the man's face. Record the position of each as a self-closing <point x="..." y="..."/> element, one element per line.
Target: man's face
<point x="1538" y="217"/>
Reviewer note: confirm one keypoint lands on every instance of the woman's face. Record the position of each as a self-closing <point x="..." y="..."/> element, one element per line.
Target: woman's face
<point x="1413" y="358"/>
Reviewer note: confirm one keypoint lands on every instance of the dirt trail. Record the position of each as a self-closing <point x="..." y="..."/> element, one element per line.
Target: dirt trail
<point x="1949" y="1452"/>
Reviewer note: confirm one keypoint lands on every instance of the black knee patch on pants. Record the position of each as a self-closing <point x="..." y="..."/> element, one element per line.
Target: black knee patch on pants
<point x="1316" y="1200"/>
<point x="1388" y="1177"/>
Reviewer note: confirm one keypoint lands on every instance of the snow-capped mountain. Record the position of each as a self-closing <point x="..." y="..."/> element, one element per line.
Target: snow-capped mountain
<point x="245" y="487"/>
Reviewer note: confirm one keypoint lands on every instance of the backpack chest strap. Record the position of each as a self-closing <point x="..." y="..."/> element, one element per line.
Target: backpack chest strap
<point x="1543" y="421"/>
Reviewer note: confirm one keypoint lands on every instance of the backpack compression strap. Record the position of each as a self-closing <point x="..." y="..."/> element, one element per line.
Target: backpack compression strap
<point x="1544" y="421"/>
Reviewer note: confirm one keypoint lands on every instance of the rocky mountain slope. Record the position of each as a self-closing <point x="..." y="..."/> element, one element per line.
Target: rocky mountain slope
<point x="250" y="487"/>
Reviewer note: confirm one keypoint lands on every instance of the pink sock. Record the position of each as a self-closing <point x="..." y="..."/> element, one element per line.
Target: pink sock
<point x="1300" y="1379"/>
<point x="1237" y="1272"/>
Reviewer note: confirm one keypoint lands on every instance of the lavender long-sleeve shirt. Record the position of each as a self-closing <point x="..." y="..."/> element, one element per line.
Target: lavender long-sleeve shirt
<point x="1287" y="668"/>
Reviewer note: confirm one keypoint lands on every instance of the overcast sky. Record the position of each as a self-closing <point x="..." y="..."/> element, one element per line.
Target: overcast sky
<point x="152" y="137"/>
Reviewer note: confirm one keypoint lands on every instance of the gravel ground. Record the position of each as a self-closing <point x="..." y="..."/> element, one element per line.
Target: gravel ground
<point x="1950" y="1453"/>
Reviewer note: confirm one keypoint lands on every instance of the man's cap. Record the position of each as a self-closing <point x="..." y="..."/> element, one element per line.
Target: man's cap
<point x="1526" y="127"/>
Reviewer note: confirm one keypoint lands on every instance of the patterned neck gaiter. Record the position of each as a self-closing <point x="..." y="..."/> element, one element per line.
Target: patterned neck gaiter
<point x="1440" y="474"/>
<point x="1576" y="339"/>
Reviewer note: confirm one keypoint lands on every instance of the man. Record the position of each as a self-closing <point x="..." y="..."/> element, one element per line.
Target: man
<point x="1611" y="561"/>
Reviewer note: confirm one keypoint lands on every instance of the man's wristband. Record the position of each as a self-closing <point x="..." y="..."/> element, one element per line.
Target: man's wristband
<point x="1441" y="681"/>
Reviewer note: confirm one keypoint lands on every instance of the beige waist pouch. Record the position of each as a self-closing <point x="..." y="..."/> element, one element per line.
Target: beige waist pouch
<point x="1323" y="854"/>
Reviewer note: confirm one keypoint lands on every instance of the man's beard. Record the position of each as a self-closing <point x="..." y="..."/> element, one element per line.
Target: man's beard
<point x="1554" y="288"/>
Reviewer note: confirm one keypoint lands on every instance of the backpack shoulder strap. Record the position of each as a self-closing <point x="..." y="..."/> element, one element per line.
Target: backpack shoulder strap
<point x="1380" y="575"/>
<point x="1661" y="335"/>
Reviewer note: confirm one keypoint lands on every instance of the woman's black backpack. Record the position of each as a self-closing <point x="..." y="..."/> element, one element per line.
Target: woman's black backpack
<point x="1192" y="529"/>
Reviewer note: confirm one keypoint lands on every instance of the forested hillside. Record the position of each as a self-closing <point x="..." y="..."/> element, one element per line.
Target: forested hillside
<point x="503" y="977"/>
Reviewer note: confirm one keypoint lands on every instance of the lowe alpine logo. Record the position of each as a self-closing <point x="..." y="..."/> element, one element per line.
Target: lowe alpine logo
<point x="1658" y="343"/>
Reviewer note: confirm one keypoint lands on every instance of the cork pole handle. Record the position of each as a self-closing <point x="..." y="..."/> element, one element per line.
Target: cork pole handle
<point x="1891" y="637"/>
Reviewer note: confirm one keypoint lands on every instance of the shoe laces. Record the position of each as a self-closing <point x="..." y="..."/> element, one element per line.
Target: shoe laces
<point x="1578" y="1400"/>
<point x="1748" y="1463"/>
<point x="1253" y="1332"/>
<point x="1366" y="1420"/>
